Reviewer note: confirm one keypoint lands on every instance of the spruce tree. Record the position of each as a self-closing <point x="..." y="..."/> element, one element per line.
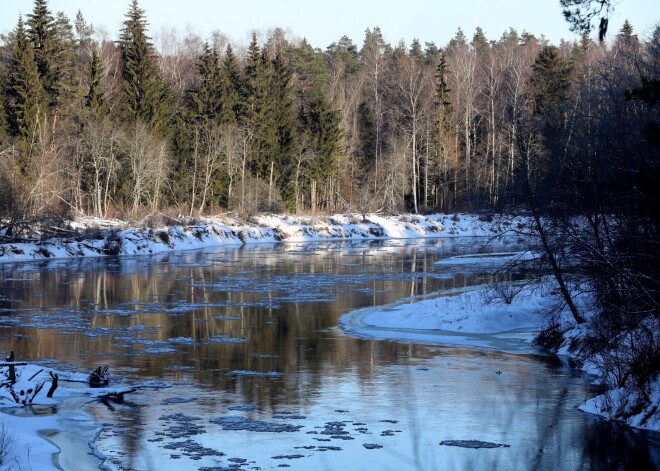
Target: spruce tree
<point x="323" y="124"/>
<point x="444" y="134"/>
<point x="252" y="64"/>
<point x="431" y="53"/>
<point x="550" y="82"/>
<point x="25" y="94"/>
<point x="444" y="108"/>
<point x="416" y="50"/>
<point x="282" y="116"/>
<point x="95" y="99"/>
<point x="232" y="88"/>
<point x="206" y="95"/>
<point x="259" y="103"/>
<point x="52" y="40"/>
<point x="479" y="41"/>
<point x="146" y="97"/>
<point x="459" y="39"/>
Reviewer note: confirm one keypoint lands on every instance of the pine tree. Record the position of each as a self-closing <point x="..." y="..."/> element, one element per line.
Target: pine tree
<point x="416" y="50"/>
<point x="206" y="95"/>
<point x="52" y="40"/>
<point x="282" y="106"/>
<point x="444" y="134"/>
<point x="323" y="124"/>
<point x="347" y="52"/>
<point x="232" y="88"/>
<point x="25" y="94"/>
<point x="84" y="30"/>
<point x="95" y="99"/>
<point x="550" y="81"/>
<point x="459" y="39"/>
<point x="479" y="41"/>
<point x="146" y="97"/>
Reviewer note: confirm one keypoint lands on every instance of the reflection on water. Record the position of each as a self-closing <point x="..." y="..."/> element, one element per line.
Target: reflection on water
<point x="29" y="410"/>
<point x="205" y="322"/>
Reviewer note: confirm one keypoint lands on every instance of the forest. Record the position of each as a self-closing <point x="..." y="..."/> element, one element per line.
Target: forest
<point x="117" y="127"/>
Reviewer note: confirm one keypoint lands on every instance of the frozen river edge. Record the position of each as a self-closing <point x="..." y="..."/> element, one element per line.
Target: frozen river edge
<point x="93" y="237"/>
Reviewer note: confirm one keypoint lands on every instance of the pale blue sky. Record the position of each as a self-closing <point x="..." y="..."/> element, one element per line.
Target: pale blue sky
<point x="326" y="21"/>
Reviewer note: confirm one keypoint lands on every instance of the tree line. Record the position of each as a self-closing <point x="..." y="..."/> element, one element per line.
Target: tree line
<point x="103" y="127"/>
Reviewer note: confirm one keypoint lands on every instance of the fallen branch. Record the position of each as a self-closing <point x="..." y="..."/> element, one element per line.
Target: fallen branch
<point x="53" y="386"/>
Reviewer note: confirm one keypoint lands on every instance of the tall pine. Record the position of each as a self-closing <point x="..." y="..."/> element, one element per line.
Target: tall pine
<point x="444" y="137"/>
<point x="207" y="94"/>
<point x="51" y="38"/>
<point x="550" y="82"/>
<point x="232" y="86"/>
<point x="25" y="94"/>
<point x="146" y="96"/>
<point x="95" y="99"/>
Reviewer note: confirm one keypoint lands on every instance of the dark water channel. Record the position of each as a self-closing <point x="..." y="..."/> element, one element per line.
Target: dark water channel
<point x="246" y="367"/>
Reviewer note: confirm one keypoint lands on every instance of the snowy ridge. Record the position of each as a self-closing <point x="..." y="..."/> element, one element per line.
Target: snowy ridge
<point x="97" y="237"/>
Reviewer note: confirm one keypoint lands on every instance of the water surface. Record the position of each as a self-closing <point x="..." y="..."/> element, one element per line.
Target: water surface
<point x="244" y="365"/>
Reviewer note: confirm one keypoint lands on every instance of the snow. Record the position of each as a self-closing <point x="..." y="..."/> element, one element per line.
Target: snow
<point x="470" y="316"/>
<point x="36" y="432"/>
<point x="618" y="403"/>
<point x="98" y="237"/>
<point x="474" y="317"/>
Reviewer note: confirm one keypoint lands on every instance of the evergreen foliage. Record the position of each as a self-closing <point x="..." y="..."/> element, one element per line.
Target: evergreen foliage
<point x="550" y="81"/>
<point x="25" y="94"/>
<point x="479" y="40"/>
<point x="206" y="96"/>
<point x="146" y="96"/>
<point x="95" y="99"/>
<point x="52" y="40"/>
<point x="231" y="82"/>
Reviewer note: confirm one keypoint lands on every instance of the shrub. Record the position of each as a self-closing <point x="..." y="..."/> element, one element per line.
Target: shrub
<point x="113" y="243"/>
<point x="7" y="443"/>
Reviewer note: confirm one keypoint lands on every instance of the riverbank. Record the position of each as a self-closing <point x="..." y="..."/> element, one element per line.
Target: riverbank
<point x="38" y="432"/>
<point x="93" y="237"/>
<point x="506" y="317"/>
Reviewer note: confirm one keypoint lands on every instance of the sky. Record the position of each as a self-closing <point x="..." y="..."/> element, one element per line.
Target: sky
<point x="322" y="23"/>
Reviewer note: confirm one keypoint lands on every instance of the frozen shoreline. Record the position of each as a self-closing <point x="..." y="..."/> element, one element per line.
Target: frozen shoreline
<point x="93" y="237"/>
<point x="467" y="316"/>
<point x="48" y="433"/>
<point x="471" y="317"/>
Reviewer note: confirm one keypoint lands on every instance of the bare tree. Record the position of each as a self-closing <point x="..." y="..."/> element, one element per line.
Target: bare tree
<point x="148" y="162"/>
<point x="415" y="87"/>
<point x="99" y="144"/>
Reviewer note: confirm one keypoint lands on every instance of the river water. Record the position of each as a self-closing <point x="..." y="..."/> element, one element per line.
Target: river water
<point x="243" y="364"/>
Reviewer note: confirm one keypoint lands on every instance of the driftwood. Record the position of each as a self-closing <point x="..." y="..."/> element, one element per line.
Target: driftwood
<point x="117" y="394"/>
<point x="12" y="367"/>
<point x="99" y="377"/>
<point x="53" y="385"/>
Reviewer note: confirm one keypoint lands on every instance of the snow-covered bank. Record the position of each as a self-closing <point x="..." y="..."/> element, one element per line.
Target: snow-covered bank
<point x="469" y="316"/>
<point x="477" y="316"/>
<point x="627" y="405"/>
<point x="94" y="237"/>
<point x="43" y="433"/>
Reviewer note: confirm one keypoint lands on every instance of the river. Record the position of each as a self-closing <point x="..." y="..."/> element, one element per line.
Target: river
<point x="244" y="365"/>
